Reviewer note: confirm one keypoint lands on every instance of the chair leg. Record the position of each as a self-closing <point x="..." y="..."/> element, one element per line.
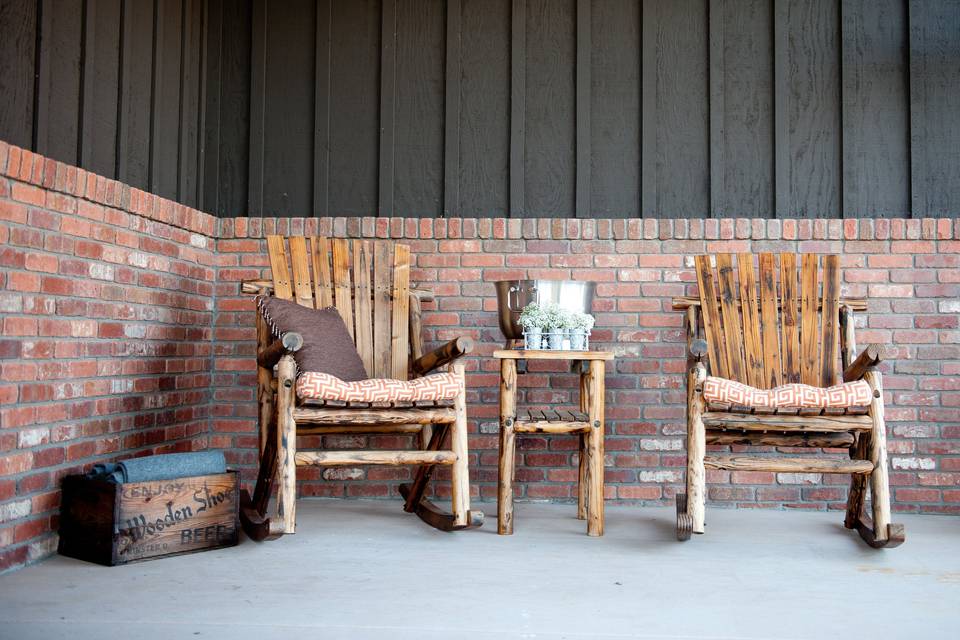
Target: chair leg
<point x="582" y="479"/>
<point x="460" y="474"/>
<point x="696" y="450"/>
<point x="858" y="483"/>
<point x="286" y="444"/>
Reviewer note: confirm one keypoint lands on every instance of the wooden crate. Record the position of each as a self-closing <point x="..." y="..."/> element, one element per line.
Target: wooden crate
<point x="113" y="524"/>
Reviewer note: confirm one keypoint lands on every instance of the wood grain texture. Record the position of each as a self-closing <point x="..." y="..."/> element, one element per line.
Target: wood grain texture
<point x="753" y="350"/>
<point x="419" y="109"/>
<point x="342" y="281"/>
<point x="770" y="322"/>
<point x="165" y="114"/>
<point x="747" y="94"/>
<point x="934" y="126"/>
<point x="712" y="326"/>
<point x="506" y="461"/>
<point x="549" y="160"/>
<point x="676" y="109"/>
<point x="101" y="86"/>
<point x="382" y="290"/>
<point x="787" y="465"/>
<point x="453" y="71"/>
<point x="388" y="113"/>
<point x="290" y="43"/>
<point x="876" y="117"/>
<point x="518" y="107"/>
<point x="58" y="82"/>
<point x="732" y="327"/>
<point x="789" y="319"/>
<point x="321" y="108"/>
<point x="354" y="107"/>
<point x="814" y="109"/>
<point x="830" y="322"/>
<point x="485" y="122"/>
<point x="363" y="295"/>
<point x="400" y="339"/>
<point x="809" y="331"/>
<point x="18" y="63"/>
<point x="614" y="103"/>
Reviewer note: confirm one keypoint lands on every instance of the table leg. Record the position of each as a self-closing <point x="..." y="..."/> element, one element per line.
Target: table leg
<point x="595" y="400"/>
<point x="508" y="404"/>
<point x="582" y="479"/>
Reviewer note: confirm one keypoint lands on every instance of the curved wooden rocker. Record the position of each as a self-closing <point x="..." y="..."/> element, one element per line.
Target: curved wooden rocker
<point x="744" y="329"/>
<point x="368" y="283"/>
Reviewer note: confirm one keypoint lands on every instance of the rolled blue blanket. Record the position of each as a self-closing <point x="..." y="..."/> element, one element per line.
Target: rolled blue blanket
<point x="162" y="467"/>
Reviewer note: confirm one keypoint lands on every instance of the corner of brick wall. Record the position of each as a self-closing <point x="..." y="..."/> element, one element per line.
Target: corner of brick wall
<point x="106" y="305"/>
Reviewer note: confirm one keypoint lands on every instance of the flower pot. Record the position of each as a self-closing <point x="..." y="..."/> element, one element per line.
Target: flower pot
<point x="532" y="339"/>
<point x="555" y="339"/>
<point x="578" y="340"/>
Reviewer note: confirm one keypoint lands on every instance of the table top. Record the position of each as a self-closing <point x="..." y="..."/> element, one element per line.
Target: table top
<point x="551" y="354"/>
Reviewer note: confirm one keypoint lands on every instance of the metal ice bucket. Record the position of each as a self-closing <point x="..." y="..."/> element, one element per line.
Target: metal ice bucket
<point x="514" y="295"/>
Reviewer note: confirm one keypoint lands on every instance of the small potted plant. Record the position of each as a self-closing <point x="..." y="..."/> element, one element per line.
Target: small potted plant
<point x="533" y="319"/>
<point x="556" y="320"/>
<point x="579" y="331"/>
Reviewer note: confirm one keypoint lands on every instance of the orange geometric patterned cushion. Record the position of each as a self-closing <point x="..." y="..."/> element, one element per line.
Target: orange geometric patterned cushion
<point x="849" y="394"/>
<point x="323" y="386"/>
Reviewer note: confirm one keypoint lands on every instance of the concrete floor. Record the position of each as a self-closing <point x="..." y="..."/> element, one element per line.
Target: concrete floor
<point x="364" y="569"/>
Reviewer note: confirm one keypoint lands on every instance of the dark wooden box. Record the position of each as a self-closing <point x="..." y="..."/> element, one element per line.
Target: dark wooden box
<point x="113" y="524"/>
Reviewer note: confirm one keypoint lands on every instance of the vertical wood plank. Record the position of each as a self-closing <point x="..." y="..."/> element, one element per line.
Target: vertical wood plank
<point x="648" y="109"/>
<point x="830" y="322"/>
<point x="278" y="267"/>
<point x="809" y="335"/>
<point x="711" y="317"/>
<point x="484" y="163"/>
<point x="615" y="102"/>
<point x="400" y="340"/>
<point x="550" y="179"/>
<point x="288" y="123"/>
<point x="583" y="119"/>
<point x="382" y="311"/>
<point x="876" y="109"/>
<point x="732" y="330"/>
<point x="321" y="110"/>
<point x="717" y="109"/>
<point x="752" y="346"/>
<point x="258" y="62"/>
<point x="59" y="80"/>
<point x="301" y="271"/>
<point x="518" y="106"/>
<point x="789" y="321"/>
<point x="18" y="65"/>
<point x="213" y="81"/>
<point x="782" y="153"/>
<point x="323" y="288"/>
<point x="418" y="162"/>
<point x="451" y="118"/>
<point x="388" y="89"/>
<point x="354" y="107"/>
<point x="814" y="90"/>
<point x="166" y="123"/>
<point x="769" y="322"/>
<point x="191" y="89"/>
<point x="596" y="391"/>
<point x="342" y="286"/>
<point x="136" y="94"/>
<point x="362" y="263"/>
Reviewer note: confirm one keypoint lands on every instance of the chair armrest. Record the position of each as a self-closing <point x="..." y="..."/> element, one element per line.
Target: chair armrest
<point x="288" y="343"/>
<point x="870" y="357"/>
<point x="442" y="355"/>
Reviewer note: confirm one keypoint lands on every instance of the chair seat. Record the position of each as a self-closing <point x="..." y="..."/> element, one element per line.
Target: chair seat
<point x="323" y="386"/>
<point x="789" y="396"/>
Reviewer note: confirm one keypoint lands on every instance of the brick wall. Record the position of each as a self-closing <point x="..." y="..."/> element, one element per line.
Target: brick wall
<point x="909" y="269"/>
<point x="123" y="332"/>
<point x="105" y="308"/>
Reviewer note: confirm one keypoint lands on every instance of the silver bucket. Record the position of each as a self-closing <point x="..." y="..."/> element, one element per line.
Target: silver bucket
<point x="514" y="295"/>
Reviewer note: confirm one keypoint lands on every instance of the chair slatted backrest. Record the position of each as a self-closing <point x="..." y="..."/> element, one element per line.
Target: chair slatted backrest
<point x="366" y="281"/>
<point x="763" y="337"/>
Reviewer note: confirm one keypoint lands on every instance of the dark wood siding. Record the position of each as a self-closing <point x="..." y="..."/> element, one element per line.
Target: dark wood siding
<point x="613" y="108"/>
<point x="113" y="86"/>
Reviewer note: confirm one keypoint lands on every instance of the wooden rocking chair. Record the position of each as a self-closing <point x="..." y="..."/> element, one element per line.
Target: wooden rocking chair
<point x="371" y="291"/>
<point x="769" y="340"/>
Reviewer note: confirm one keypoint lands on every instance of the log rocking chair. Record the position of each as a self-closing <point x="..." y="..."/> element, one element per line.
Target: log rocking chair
<point x="778" y="369"/>
<point x="370" y="289"/>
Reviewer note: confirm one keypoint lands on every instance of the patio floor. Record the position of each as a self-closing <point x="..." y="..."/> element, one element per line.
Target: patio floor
<point x="364" y="569"/>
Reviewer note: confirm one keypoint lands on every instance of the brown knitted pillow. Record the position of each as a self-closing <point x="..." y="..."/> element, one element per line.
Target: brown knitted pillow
<point x="327" y="345"/>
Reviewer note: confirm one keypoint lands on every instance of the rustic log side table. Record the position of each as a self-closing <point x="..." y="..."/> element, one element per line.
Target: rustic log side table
<point x="587" y="423"/>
